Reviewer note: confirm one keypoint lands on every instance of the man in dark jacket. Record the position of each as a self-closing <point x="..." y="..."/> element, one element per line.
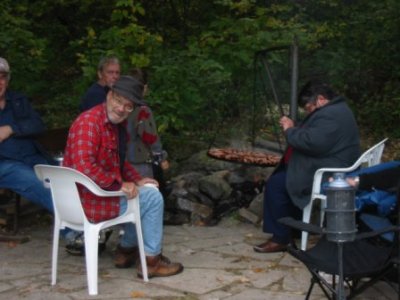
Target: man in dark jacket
<point x="19" y="152"/>
<point x="108" y="72"/>
<point x="327" y="137"/>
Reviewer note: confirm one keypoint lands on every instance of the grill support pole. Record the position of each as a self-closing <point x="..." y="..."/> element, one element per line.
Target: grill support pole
<point x="294" y="79"/>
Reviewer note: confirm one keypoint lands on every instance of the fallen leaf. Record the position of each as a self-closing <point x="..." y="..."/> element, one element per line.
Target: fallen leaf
<point x="258" y="270"/>
<point x="11" y="244"/>
<point x="137" y="294"/>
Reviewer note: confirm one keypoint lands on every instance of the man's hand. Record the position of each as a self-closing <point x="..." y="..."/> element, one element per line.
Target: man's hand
<point x="5" y="132"/>
<point x="353" y="181"/>
<point x="130" y="189"/>
<point x="286" y="123"/>
<point x="165" y="165"/>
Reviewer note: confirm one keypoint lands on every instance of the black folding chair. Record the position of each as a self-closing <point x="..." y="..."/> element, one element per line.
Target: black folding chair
<point x="362" y="262"/>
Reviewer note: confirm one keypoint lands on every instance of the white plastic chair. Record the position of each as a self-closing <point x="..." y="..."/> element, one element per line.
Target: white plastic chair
<point x="68" y="212"/>
<point x="370" y="157"/>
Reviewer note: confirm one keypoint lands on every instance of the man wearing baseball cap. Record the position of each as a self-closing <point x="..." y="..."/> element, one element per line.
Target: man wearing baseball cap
<point x="4" y="68"/>
<point x="96" y="148"/>
<point x="19" y="152"/>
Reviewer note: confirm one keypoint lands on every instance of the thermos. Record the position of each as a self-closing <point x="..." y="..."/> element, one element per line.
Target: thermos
<point x="340" y="211"/>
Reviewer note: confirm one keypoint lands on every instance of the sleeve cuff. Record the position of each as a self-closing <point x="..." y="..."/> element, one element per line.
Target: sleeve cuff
<point x="115" y="186"/>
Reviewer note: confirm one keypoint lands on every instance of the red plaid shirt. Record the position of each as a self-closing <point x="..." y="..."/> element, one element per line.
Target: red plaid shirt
<point x="92" y="148"/>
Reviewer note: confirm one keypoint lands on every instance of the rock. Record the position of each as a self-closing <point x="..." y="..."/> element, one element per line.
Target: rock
<point x="201" y="162"/>
<point x="200" y="214"/>
<point x="179" y="192"/>
<point x="190" y="206"/>
<point x="201" y="198"/>
<point x="178" y="218"/>
<point x="215" y="186"/>
<point x="249" y="216"/>
<point x="253" y="173"/>
<point x="208" y="189"/>
<point x="256" y="206"/>
<point x="188" y="179"/>
<point x="249" y="173"/>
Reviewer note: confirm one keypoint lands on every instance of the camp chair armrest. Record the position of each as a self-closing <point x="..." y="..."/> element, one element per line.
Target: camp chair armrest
<point x="369" y="234"/>
<point x="288" y="221"/>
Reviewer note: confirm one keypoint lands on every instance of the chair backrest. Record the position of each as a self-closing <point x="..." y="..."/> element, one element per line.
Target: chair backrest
<point x="372" y="156"/>
<point x="369" y="158"/>
<point x="62" y="183"/>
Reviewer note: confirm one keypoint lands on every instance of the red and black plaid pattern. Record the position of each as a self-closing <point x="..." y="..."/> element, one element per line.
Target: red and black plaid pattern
<point x="92" y="148"/>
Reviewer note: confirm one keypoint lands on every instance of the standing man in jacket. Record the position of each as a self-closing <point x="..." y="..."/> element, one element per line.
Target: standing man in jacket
<point x="327" y="137"/>
<point x="145" y="150"/>
<point x="19" y="152"/>
<point x="108" y="72"/>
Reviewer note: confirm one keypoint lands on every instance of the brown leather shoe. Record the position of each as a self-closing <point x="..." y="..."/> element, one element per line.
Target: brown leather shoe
<point x="159" y="266"/>
<point x="270" y="247"/>
<point x="125" y="257"/>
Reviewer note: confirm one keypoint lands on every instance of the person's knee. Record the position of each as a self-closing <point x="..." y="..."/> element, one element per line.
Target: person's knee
<point x="158" y="200"/>
<point x="152" y="197"/>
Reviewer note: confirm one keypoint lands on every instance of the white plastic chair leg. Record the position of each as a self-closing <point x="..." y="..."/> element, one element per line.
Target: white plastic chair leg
<point x="91" y="256"/>
<point x="54" y="262"/>
<point x="140" y="239"/>
<point x="306" y="219"/>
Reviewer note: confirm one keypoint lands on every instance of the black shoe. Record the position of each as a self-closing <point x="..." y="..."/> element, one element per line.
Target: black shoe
<point x="103" y="238"/>
<point x="77" y="246"/>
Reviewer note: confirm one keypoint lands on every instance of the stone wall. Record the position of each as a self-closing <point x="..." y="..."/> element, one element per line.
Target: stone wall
<point x="204" y="190"/>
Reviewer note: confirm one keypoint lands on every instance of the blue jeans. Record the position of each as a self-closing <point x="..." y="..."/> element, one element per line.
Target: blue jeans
<point x="21" y="178"/>
<point x="152" y="212"/>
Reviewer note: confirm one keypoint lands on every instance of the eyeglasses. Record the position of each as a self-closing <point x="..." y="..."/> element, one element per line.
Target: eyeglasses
<point x="119" y="102"/>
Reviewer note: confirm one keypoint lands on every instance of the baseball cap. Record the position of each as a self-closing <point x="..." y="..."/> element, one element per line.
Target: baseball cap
<point x="4" y="66"/>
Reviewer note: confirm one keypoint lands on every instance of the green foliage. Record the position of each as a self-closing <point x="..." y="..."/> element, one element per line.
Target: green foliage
<point x="200" y="54"/>
<point x="357" y="53"/>
<point x="211" y="80"/>
<point x="23" y="49"/>
<point x="125" y="38"/>
<point x="59" y="111"/>
<point x="187" y="91"/>
<point x="381" y="112"/>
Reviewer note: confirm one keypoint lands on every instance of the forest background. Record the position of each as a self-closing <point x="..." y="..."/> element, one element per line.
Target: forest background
<point x="200" y="56"/>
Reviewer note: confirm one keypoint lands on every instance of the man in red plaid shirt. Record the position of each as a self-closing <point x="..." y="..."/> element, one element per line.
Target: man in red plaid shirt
<point x="96" y="146"/>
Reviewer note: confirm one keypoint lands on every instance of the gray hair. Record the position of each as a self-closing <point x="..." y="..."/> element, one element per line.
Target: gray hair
<point x="106" y="61"/>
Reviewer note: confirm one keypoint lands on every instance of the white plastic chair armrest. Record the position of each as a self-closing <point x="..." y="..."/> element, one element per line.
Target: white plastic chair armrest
<point x="104" y="193"/>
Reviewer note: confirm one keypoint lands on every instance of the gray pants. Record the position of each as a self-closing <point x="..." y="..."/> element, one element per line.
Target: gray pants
<point x="144" y="169"/>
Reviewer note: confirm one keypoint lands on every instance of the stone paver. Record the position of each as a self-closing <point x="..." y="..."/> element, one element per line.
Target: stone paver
<point x="219" y="264"/>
